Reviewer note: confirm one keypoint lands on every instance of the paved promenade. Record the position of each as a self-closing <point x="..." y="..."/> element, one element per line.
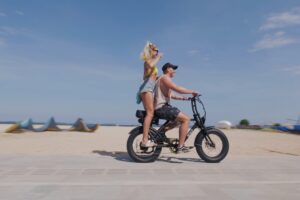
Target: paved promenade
<point x="108" y="173"/>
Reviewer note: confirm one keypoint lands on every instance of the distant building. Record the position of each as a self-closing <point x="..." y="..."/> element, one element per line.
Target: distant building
<point x="224" y="124"/>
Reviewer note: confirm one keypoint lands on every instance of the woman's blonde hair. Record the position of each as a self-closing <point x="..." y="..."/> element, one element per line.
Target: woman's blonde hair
<point x="146" y="53"/>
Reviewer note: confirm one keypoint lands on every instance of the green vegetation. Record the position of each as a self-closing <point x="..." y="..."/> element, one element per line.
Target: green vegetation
<point x="244" y="122"/>
<point x="276" y="124"/>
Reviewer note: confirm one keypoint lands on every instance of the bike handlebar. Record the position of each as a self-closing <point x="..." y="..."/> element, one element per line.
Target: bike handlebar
<point x="195" y="97"/>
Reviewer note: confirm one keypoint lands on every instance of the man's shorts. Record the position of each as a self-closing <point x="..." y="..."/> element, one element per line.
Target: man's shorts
<point x="167" y="112"/>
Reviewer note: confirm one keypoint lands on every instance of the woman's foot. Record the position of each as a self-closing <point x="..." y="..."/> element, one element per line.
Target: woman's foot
<point x="149" y="143"/>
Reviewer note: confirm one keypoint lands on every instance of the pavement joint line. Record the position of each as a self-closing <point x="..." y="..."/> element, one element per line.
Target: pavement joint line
<point x="143" y="183"/>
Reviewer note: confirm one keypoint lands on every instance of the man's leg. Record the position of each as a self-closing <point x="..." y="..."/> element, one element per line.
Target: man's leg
<point x="184" y="127"/>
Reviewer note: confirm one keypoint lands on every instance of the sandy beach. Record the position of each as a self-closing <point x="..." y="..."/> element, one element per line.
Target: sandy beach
<point x="106" y="138"/>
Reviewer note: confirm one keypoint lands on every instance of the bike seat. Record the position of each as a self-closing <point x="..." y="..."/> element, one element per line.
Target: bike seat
<point x="141" y="114"/>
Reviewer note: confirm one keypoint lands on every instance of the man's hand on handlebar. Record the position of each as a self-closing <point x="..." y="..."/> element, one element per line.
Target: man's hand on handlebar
<point x="195" y="93"/>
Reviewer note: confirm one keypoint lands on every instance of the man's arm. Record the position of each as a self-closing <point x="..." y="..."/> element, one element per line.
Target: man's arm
<point x="182" y="98"/>
<point x="170" y="84"/>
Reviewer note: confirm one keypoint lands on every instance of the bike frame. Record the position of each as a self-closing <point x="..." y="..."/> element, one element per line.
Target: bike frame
<point x="199" y="123"/>
<point x="202" y="142"/>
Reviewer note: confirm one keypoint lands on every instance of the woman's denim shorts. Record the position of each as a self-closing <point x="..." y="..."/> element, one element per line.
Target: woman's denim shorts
<point x="147" y="86"/>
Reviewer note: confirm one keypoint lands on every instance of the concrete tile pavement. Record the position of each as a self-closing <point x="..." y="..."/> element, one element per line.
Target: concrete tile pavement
<point x="171" y="177"/>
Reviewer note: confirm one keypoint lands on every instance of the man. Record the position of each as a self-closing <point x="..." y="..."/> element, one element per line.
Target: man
<point x="163" y="94"/>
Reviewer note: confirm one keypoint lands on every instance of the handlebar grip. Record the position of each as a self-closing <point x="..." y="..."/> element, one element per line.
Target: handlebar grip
<point x="194" y="97"/>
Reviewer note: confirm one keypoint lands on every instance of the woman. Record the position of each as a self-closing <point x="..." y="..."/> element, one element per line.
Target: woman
<point x="150" y="56"/>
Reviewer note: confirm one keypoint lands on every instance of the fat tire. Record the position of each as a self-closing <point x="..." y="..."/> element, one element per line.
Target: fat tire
<point x="132" y="135"/>
<point x="198" y="145"/>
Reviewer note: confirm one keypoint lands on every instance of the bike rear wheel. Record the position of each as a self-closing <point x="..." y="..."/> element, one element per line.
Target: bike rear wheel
<point x="134" y="149"/>
<point x="213" y="146"/>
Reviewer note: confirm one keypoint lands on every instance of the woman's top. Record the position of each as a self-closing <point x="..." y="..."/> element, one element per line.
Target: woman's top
<point x="151" y="71"/>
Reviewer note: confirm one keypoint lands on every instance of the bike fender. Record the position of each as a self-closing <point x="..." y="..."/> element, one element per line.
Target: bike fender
<point x="210" y="127"/>
<point x="136" y="128"/>
<point x="140" y="128"/>
<point x="202" y="132"/>
<point x="206" y="129"/>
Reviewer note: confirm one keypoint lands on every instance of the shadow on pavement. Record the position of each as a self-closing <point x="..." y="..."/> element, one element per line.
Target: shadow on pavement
<point x="118" y="155"/>
<point x="280" y="152"/>
<point x="177" y="160"/>
<point x="123" y="156"/>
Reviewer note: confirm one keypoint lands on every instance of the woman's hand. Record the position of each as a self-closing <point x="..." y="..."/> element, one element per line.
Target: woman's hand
<point x="160" y="55"/>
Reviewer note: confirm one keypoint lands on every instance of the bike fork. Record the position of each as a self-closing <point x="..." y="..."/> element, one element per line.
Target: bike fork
<point x="190" y="132"/>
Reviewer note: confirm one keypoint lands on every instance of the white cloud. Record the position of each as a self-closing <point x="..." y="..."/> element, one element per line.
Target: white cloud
<point x="2" y="14"/>
<point x="2" y="42"/>
<point x="295" y="70"/>
<point x="5" y="30"/>
<point x="273" y="41"/>
<point x="281" y="20"/>
<point x="193" y="52"/>
<point x="111" y="72"/>
<point x="18" y="12"/>
<point x="279" y="33"/>
<point x="8" y="75"/>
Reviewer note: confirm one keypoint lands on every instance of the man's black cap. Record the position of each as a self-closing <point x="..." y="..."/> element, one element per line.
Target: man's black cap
<point x="169" y="65"/>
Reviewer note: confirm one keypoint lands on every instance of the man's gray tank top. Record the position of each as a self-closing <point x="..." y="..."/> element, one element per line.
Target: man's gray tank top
<point x="160" y="98"/>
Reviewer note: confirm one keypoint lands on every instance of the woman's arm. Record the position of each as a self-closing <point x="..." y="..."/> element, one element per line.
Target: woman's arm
<point x="152" y="62"/>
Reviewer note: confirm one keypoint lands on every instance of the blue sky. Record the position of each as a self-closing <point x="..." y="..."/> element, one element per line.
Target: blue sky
<point x="72" y="59"/>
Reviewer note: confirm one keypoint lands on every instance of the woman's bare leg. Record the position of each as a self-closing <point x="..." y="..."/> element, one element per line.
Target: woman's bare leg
<point x="147" y="98"/>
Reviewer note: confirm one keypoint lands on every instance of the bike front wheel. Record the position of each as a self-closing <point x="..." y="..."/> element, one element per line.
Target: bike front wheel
<point x="213" y="146"/>
<point x="136" y="152"/>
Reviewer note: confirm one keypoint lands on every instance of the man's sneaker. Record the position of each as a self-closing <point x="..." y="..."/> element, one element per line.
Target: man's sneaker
<point x="183" y="149"/>
<point x="149" y="143"/>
